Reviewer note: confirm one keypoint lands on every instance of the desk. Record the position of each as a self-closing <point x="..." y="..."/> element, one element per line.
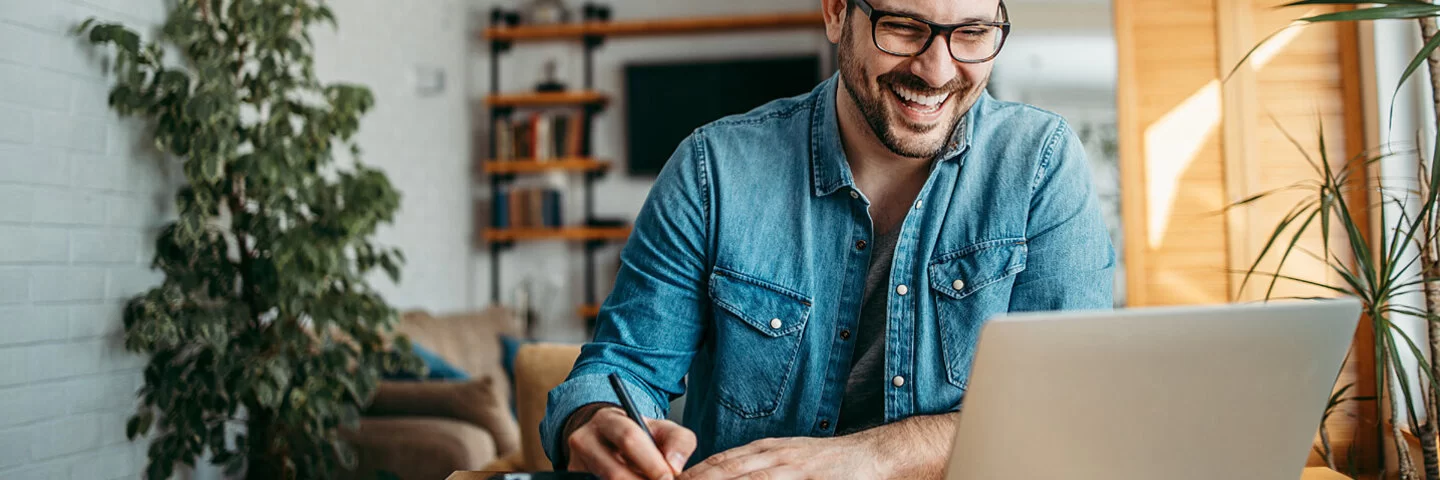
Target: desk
<point x="1312" y="473"/>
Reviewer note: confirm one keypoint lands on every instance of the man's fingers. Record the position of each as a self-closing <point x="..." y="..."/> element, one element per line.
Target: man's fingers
<point x="598" y="459"/>
<point x="632" y="444"/>
<point x="675" y="441"/>
<point x="737" y="463"/>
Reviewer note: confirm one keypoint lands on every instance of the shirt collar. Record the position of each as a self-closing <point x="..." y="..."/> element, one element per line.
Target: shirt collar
<point x="828" y="167"/>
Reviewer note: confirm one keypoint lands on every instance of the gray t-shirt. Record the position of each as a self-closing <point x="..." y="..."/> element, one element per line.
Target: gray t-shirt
<point x="864" y="403"/>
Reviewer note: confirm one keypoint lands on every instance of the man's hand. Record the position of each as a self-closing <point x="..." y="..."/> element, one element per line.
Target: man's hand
<point x="612" y="446"/>
<point x="853" y="456"/>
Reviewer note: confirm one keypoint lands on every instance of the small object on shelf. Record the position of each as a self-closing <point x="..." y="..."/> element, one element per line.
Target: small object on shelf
<point x="549" y="83"/>
<point x="594" y="12"/>
<point x="606" y="223"/>
<point x="500" y="17"/>
<point x="545" y="12"/>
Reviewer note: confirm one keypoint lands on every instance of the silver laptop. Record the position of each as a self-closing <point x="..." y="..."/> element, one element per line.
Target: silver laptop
<point x="1233" y="392"/>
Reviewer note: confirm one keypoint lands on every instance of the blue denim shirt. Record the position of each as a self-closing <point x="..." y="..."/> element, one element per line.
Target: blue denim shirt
<point x="743" y="270"/>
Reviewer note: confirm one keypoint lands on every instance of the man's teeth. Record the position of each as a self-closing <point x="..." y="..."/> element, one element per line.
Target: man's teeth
<point x="925" y="100"/>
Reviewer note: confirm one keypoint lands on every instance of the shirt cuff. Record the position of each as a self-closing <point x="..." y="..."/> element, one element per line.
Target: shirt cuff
<point x="584" y="390"/>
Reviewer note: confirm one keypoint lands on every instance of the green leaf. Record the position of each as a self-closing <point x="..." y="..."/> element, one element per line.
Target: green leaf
<point x="1406" y="10"/>
<point x="1415" y="63"/>
<point x="1353" y="2"/>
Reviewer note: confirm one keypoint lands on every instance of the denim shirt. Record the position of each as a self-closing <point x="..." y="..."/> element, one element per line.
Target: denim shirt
<point x="744" y="270"/>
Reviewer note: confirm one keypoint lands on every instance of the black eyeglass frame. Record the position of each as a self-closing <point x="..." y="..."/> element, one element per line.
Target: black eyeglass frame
<point x="936" y="30"/>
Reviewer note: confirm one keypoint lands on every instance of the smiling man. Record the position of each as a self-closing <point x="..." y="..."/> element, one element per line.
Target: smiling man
<point x="820" y="267"/>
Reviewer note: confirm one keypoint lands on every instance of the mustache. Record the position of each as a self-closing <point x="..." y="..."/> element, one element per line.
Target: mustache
<point x="913" y="83"/>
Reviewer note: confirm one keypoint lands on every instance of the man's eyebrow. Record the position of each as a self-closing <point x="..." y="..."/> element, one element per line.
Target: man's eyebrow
<point x="971" y="19"/>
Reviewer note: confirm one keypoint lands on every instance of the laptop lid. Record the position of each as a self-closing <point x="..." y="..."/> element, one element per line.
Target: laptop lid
<point x="1234" y="392"/>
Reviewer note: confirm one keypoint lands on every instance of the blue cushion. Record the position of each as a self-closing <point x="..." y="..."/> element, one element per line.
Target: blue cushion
<point x="438" y="368"/>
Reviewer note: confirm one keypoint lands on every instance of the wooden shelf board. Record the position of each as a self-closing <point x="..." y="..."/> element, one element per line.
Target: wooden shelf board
<point x="543" y="99"/>
<point x="576" y="164"/>
<point x="563" y="233"/>
<point x="588" y="311"/>
<point x="656" y="27"/>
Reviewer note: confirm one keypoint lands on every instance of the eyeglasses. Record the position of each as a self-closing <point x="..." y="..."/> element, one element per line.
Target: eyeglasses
<point x="907" y="36"/>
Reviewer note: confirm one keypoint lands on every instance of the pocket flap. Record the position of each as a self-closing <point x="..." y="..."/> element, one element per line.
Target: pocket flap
<point x="759" y="303"/>
<point x="977" y="266"/>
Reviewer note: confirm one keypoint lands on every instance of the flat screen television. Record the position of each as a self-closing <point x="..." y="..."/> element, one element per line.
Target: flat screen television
<point x="665" y="102"/>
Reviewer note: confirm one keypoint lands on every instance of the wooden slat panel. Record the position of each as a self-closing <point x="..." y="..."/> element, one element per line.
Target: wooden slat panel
<point x="1167" y="67"/>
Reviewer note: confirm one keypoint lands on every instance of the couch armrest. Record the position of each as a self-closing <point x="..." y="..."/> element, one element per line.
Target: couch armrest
<point x="479" y="402"/>
<point x="418" y="447"/>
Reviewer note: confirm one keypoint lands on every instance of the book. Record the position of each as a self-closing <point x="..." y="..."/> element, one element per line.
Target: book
<point x="537" y="208"/>
<point x="543" y="143"/>
<point x="552" y="209"/>
<point x="559" y="135"/>
<point x="504" y="140"/>
<point x="500" y="211"/>
<point x="521" y="140"/>
<point x="575" y="141"/>
<point x="537" y="151"/>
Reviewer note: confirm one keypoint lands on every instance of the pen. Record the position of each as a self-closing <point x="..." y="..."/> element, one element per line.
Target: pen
<point x="629" y="405"/>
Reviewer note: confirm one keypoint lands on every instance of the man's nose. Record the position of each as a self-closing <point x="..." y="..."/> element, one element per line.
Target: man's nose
<point x="935" y="65"/>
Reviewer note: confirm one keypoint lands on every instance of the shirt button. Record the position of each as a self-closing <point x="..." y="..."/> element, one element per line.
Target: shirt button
<point x="860" y="245"/>
<point x="902" y="290"/>
<point x="824" y="424"/>
<point x="918" y="203"/>
<point x="898" y="381"/>
<point x="958" y="284"/>
<point x="854" y="194"/>
<point x="845" y="334"/>
<point x="776" y="323"/>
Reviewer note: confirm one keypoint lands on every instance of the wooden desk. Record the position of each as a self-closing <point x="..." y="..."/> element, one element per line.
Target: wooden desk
<point x="485" y="475"/>
<point x="1313" y="473"/>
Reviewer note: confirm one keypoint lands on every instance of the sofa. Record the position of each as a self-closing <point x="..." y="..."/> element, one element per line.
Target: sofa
<point x="425" y="430"/>
<point x="539" y="368"/>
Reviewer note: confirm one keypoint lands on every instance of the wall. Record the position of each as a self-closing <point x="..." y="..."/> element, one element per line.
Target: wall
<point x="79" y="203"/>
<point x="420" y="140"/>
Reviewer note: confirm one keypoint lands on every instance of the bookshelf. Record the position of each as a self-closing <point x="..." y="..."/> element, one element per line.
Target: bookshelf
<point x="548" y="99"/>
<point x="656" y="27"/>
<point x="572" y="164"/>
<point x="560" y="233"/>
<point x="588" y="310"/>
<point x="503" y="106"/>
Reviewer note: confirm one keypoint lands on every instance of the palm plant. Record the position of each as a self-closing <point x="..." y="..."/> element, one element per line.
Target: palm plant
<point x="1378" y="275"/>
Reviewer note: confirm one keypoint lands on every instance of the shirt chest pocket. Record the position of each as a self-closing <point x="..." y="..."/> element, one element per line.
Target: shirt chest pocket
<point x="972" y="284"/>
<point x="758" y="328"/>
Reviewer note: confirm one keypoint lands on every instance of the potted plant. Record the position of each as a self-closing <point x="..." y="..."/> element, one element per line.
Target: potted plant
<point x="265" y="337"/>
<point x="1377" y="275"/>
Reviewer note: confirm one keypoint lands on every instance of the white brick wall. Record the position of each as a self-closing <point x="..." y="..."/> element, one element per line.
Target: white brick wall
<point x="80" y="202"/>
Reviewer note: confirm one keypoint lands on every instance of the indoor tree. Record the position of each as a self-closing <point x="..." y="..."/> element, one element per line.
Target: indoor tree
<point x="264" y="338"/>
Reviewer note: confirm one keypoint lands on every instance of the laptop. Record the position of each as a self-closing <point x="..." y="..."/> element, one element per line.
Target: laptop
<point x="1233" y="392"/>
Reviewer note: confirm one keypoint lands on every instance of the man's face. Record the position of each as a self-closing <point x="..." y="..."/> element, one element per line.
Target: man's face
<point x="913" y="103"/>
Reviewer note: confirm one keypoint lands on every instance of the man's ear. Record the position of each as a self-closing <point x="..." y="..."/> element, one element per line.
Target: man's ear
<point x="834" y="12"/>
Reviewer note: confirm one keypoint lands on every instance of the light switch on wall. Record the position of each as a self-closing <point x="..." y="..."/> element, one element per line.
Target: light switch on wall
<point x="429" y="80"/>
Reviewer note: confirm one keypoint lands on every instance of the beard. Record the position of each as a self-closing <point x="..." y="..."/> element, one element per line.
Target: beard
<point x="897" y="133"/>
